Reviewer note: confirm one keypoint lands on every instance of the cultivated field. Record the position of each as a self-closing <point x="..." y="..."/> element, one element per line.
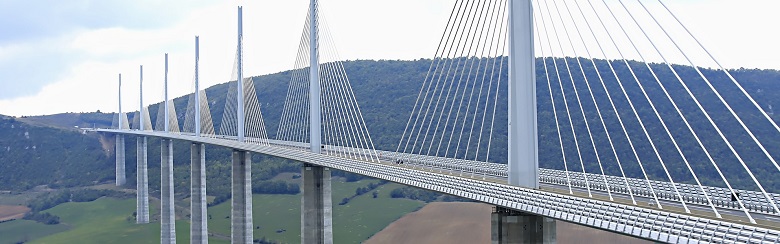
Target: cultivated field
<point x="470" y="223"/>
<point x="12" y="212"/>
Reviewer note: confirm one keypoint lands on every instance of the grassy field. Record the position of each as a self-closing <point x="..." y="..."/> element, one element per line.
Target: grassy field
<point x="106" y="220"/>
<point x="18" y="198"/>
<point x="364" y="216"/>
<point x="353" y="222"/>
<point x="109" y="220"/>
<point x="21" y="230"/>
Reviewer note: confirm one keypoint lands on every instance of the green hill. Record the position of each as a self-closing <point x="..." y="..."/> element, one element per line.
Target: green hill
<point x="49" y="150"/>
<point x="35" y="155"/>
<point x="276" y="218"/>
<point x="386" y="91"/>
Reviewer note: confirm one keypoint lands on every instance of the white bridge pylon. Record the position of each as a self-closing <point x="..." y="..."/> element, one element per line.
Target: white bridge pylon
<point x="341" y="121"/>
<point x="608" y="93"/>
<point x="604" y="81"/>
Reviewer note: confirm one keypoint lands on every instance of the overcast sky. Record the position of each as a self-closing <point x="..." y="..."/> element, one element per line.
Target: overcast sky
<point x="65" y="56"/>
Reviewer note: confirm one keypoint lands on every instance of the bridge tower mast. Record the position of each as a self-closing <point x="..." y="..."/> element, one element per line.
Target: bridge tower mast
<point x="142" y="181"/>
<point x="119" y="118"/>
<point x="523" y="148"/>
<point x="240" y="83"/>
<point x="314" y="80"/>
<point x="197" y="87"/>
<point x="120" y="143"/>
<point x="510" y="226"/>
<point x="167" y="115"/>
<point x="241" y="188"/>
<point x="316" y="209"/>
<point x="198" y="214"/>
<point x="167" y="212"/>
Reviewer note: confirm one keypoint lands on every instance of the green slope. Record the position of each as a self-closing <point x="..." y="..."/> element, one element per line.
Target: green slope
<point x="109" y="220"/>
<point x="352" y="223"/>
<point x="23" y="230"/>
<point x="386" y="91"/>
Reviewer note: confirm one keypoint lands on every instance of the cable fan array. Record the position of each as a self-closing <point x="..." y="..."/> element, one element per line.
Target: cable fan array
<point x="254" y="126"/>
<point x="455" y="112"/>
<point x="137" y="119"/>
<point x="614" y="101"/>
<point x="173" y="121"/>
<point x="198" y="113"/>
<point x="639" y="119"/>
<point x="115" y="121"/>
<point x="206" y="124"/>
<point x="344" y="131"/>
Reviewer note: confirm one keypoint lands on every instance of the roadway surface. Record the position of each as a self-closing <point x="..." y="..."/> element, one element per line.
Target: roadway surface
<point x="668" y="225"/>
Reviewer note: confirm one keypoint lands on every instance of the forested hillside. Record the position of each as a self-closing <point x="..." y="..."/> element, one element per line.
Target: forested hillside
<point x="33" y="155"/>
<point x="386" y="91"/>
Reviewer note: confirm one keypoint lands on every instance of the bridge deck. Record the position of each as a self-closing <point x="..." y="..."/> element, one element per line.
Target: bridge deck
<point x="755" y="202"/>
<point x="652" y="224"/>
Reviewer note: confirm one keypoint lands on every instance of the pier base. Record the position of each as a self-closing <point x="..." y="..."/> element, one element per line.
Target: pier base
<point x="510" y="227"/>
<point x="316" y="205"/>
<point x="167" y="211"/>
<point x="142" y="184"/>
<point x="120" y="161"/>
<point x="198" y="204"/>
<point x="241" y="211"/>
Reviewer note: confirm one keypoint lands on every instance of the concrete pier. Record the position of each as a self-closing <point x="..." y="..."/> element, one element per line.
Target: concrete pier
<point x="316" y="205"/>
<point x="510" y="227"/>
<point x="241" y="190"/>
<point x="167" y="211"/>
<point x="142" y="184"/>
<point x="120" y="160"/>
<point x="198" y="214"/>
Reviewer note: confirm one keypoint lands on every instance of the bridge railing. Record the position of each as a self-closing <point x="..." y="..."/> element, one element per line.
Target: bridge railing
<point x="642" y="222"/>
<point x="721" y="197"/>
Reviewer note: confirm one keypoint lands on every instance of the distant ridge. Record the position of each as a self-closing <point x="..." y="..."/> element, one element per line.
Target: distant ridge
<point x="386" y="91"/>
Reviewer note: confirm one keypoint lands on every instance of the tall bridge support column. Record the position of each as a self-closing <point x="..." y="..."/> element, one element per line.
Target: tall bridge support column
<point x="316" y="205"/>
<point x="241" y="216"/>
<point x="120" y="160"/>
<point x="198" y="213"/>
<point x="510" y="227"/>
<point x="142" y="184"/>
<point x="167" y="211"/>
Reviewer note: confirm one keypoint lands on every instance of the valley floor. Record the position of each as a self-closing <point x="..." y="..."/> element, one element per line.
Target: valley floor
<point x="8" y="212"/>
<point x="464" y="222"/>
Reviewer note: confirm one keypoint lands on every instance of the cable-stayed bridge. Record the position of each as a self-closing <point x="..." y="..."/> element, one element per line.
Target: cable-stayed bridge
<point x="604" y="125"/>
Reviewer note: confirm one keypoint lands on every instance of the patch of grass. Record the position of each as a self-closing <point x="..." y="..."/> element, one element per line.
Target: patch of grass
<point x="274" y="213"/>
<point x="364" y="215"/>
<point x="270" y="213"/>
<point x="108" y="220"/>
<point x="352" y="223"/>
<point x="23" y="230"/>
<point x="105" y="220"/>
<point x="18" y="198"/>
